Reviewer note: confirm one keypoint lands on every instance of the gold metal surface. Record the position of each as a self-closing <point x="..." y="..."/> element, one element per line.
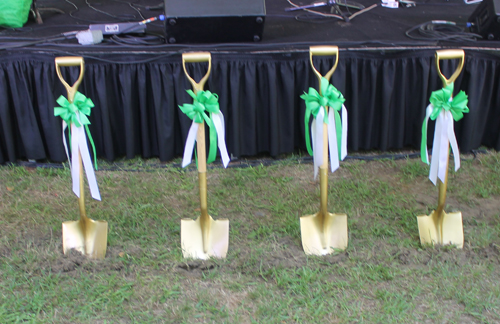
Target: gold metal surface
<point x="323" y="233"/>
<point x="87" y="236"/>
<point x="197" y="57"/>
<point x="204" y="237"/>
<point x="439" y="227"/>
<point x="450" y="54"/>
<point x="324" y="51"/>
<point x="70" y="61"/>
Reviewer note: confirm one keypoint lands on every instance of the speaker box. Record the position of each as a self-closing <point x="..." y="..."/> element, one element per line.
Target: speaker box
<point x="485" y="20"/>
<point x="214" y="21"/>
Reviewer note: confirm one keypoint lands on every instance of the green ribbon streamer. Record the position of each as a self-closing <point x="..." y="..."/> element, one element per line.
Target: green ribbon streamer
<point x="67" y="111"/>
<point x="203" y="102"/>
<point x="441" y="99"/>
<point x="331" y="97"/>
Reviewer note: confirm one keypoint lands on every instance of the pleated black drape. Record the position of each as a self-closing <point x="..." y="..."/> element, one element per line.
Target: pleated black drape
<point x="136" y="104"/>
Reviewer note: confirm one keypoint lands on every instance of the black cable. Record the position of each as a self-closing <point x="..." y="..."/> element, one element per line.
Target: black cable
<point x="131" y="5"/>
<point x="175" y="49"/>
<point x="16" y="33"/>
<point x="12" y="45"/>
<point x="147" y="40"/>
<point x="155" y="57"/>
<point x="441" y="30"/>
<point x="107" y="13"/>
<point x="122" y="18"/>
<point x="314" y="18"/>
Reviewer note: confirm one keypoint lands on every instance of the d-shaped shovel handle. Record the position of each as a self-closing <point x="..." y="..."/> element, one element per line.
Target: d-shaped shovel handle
<point x="70" y="61"/>
<point x="74" y="61"/>
<point x="197" y="57"/>
<point x="450" y="54"/>
<point x="324" y="51"/>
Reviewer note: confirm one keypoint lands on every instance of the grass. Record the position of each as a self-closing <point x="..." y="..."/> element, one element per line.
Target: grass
<point x="384" y="276"/>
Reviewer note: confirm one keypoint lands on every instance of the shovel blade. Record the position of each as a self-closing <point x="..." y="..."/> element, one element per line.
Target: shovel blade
<point x="192" y="239"/>
<point x="322" y="240"/>
<point x="452" y="229"/>
<point x="89" y="238"/>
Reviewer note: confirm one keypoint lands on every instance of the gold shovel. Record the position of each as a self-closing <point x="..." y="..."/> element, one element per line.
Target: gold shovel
<point x="87" y="236"/>
<point x="439" y="227"/>
<point x="204" y="237"/>
<point x="323" y="232"/>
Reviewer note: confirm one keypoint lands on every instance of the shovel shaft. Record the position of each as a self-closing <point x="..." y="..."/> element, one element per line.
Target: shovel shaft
<point x="446" y="55"/>
<point x="324" y="51"/>
<point x="323" y="180"/>
<point x="202" y="182"/>
<point x="81" y="199"/>
<point x="204" y="217"/>
<point x="196" y="57"/>
<point x="442" y="193"/>
<point x="323" y="187"/>
<point x="75" y="61"/>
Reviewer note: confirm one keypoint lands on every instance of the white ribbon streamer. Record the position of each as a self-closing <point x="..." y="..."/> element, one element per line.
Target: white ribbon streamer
<point x="64" y="126"/>
<point x="332" y="141"/>
<point x="343" y="147"/>
<point x="189" y="146"/>
<point x="444" y="136"/>
<point x="428" y="113"/>
<point x="218" y="120"/>
<point x="317" y="139"/>
<point x="79" y="144"/>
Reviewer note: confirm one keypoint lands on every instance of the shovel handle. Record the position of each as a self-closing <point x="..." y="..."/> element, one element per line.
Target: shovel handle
<point x="324" y="51"/>
<point x="196" y="57"/>
<point x="70" y="61"/>
<point x="450" y="54"/>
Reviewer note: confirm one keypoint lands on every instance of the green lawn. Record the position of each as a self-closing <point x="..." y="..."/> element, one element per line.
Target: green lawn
<point x="384" y="276"/>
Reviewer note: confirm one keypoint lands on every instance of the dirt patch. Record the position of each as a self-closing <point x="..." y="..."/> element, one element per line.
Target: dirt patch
<point x="74" y="260"/>
<point x="69" y="262"/>
<point x="195" y="268"/>
<point x="42" y="253"/>
<point x="5" y="252"/>
<point x="447" y="255"/>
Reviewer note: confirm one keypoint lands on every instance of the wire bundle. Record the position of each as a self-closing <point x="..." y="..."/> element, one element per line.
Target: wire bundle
<point x="317" y="14"/>
<point x="441" y="30"/>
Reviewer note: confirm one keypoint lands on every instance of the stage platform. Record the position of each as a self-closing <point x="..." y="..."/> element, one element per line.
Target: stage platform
<point x="137" y="83"/>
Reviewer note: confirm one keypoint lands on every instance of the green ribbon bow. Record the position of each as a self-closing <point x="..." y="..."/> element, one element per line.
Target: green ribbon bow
<point x="331" y="97"/>
<point x="441" y="99"/>
<point x="67" y="111"/>
<point x="203" y="102"/>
